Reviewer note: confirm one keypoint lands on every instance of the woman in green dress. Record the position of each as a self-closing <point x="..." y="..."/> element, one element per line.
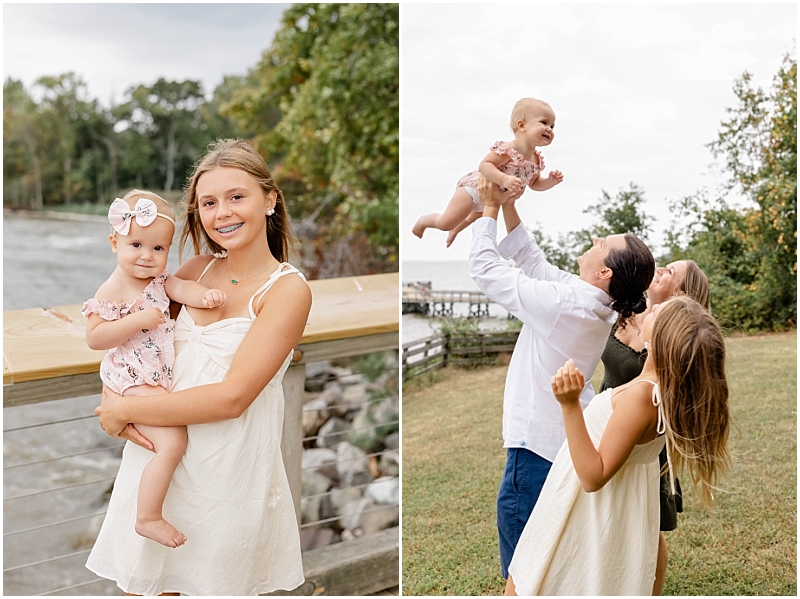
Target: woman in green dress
<point x="623" y="359"/>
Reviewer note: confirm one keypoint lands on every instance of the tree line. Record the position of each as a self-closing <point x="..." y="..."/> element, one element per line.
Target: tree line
<point x="748" y="249"/>
<point x="321" y="106"/>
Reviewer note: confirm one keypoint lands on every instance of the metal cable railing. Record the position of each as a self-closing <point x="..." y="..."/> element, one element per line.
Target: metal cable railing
<point x="29" y="426"/>
<point x="352" y="430"/>
<point x="332" y="439"/>
<point x="380" y="507"/>
<point x="72" y="486"/>
<point x="64" y="457"/>
<point x="71" y="586"/>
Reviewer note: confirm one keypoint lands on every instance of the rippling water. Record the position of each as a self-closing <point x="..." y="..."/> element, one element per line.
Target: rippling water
<point x="49" y="262"/>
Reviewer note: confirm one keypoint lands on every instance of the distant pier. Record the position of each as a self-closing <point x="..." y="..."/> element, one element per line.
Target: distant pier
<point x="420" y="298"/>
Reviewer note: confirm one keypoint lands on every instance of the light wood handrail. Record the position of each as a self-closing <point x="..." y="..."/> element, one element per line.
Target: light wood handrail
<point x="44" y="343"/>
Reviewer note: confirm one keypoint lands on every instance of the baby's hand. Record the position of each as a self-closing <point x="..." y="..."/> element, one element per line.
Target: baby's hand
<point x="556" y="177"/>
<point x="513" y="184"/>
<point x="543" y="184"/>
<point x="567" y="384"/>
<point x="214" y="298"/>
<point x="150" y="318"/>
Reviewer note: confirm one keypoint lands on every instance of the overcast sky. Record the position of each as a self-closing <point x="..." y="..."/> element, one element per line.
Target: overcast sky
<point x="638" y="92"/>
<point x="116" y="46"/>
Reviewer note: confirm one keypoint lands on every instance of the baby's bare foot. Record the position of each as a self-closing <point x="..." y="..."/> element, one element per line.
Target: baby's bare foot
<point x="451" y="237"/>
<point x="418" y="229"/>
<point x="160" y="531"/>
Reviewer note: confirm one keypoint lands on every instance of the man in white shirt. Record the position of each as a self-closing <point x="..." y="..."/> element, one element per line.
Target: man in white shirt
<point x="564" y="317"/>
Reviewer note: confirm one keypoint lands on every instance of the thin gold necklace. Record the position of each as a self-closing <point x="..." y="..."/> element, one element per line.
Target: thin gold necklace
<point x="237" y="281"/>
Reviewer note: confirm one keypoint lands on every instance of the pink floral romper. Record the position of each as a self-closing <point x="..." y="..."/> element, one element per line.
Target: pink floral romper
<point x="148" y="356"/>
<point x="516" y="167"/>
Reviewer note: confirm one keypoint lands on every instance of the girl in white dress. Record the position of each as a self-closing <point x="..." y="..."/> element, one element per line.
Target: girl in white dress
<point x="594" y="530"/>
<point x="230" y="495"/>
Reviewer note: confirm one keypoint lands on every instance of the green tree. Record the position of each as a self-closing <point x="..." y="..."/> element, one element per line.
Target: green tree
<point x="22" y="146"/>
<point x="63" y="107"/>
<point x="167" y="113"/>
<point x="750" y="253"/>
<point x="323" y="103"/>
<point x="622" y="213"/>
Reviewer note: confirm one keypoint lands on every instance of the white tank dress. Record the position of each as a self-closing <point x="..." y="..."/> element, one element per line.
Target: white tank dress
<point x="230" y="495"/>
<point x="602" y="543"/>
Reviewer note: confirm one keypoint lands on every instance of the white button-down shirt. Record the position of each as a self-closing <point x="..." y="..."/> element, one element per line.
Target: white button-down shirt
<point x="563" y="317"/>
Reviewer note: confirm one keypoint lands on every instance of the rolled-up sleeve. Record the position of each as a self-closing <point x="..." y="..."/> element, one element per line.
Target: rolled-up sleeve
<point x="536" y="303"/>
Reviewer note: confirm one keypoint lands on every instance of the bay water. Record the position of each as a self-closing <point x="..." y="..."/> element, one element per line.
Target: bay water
<point x="443" y="276"/>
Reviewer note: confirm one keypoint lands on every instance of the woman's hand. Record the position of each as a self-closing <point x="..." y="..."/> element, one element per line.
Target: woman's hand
<point x="567" y="384"/>
<point x="115" y="426"/>
<point x="131" y="433"/>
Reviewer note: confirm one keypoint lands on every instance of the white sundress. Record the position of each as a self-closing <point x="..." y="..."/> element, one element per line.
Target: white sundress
<point x="230" y="495"/>
<point x="602" y="543"/>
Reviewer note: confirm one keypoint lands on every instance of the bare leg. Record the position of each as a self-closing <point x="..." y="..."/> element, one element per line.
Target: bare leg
<point x="457" y="209"/>
<point x="661" y="565"/>
<point x="511" y="589"/>
<point x="170" y="444"/>
<point x="471" y="218"/>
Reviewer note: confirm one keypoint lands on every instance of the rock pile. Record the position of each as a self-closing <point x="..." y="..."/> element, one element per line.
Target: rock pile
<point x="351" y="458"/>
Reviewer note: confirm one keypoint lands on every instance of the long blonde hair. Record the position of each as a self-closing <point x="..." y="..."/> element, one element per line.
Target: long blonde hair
<point x="239" y="154"/>
<point x="695" y="284"/>
<point x="688" y="353"/>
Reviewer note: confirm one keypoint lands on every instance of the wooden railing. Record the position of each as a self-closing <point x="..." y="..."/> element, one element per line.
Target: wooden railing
<point x="45" y="358"/>
<point x="440" y="350"/>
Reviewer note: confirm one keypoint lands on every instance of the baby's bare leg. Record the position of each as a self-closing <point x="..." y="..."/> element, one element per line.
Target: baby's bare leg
<point x="457" y="209"/>
<point x="170" y="445"/>
<point x="471" y="218"/>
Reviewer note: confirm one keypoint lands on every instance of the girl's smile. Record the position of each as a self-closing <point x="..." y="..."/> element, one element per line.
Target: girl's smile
<point x="232" y="206"/>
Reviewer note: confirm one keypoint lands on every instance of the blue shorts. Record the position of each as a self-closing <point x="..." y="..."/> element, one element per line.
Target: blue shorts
<point x="523" y="480"/>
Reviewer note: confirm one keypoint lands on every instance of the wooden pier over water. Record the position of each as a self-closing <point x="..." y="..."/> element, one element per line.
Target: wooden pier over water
<point x="420" y="298"/>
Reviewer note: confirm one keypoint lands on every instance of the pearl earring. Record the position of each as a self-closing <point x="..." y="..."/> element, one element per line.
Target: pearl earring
<point x="271" y="211"/>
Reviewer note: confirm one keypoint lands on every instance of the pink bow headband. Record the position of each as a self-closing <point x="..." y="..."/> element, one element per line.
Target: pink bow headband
<point x="145" y="212"/>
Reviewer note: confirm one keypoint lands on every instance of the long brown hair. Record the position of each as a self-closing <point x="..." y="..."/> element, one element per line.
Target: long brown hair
<point x="688" y="353"/>
<point x="239" y="154"/>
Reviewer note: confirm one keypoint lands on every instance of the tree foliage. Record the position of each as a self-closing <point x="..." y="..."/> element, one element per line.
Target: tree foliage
<point x="323" y="103"/>
<point x="621" y="213"/>
<point x="321" y="106"/>
<point x="750" y="253"/>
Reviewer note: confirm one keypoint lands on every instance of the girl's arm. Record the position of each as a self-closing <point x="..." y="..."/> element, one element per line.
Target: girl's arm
<point x="276" y="330"/>
<point x="490" y="168"/>
<point x="631" y="418"/>
<point x="192" y="293"/>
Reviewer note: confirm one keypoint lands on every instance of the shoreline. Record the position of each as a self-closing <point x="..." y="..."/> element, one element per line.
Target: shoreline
<point x="54" y="215"/>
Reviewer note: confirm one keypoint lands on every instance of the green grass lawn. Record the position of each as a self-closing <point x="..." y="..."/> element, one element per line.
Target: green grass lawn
<point x="453" y="460"/>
